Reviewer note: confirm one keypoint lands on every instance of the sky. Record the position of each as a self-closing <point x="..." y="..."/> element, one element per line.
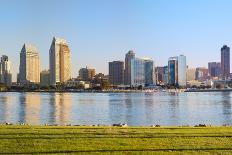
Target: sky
<point x="99" y="31"/>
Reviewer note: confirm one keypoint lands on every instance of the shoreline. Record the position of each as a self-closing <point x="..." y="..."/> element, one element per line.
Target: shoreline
<point x="124" y="125"/>
<point x="121" y="91"/>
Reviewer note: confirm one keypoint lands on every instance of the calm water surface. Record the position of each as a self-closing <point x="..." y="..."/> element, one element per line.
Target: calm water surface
<point x="135" y="109"/>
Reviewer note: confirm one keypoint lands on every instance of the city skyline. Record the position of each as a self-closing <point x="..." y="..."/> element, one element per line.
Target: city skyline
<point x="188" y="28"/>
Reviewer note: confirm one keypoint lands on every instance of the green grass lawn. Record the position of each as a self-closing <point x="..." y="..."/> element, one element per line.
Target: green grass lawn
<point x="115" y="140"/>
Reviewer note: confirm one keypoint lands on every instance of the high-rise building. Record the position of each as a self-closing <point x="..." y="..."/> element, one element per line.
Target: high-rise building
<point x="214" y="69"/>
<point x="142" y="72"/>
<point x="59" y="61"/>
<point x="5" y="71"/>
<point x="44" y="78"/>
<point x="127" y="76"/>
<point x="182" y="67"/>
<point x="225" y="61"/>
<point x="149" y="71"/>
<point x="165" y="75"/>
<point x="29" y="69"/>
<point x="177" y="70"/>
<point x="173" y="70"/>
<point x="86" y="74"/>
<point x="159" y="75"/>
<point x="116" y="72"/>
<point x="137" y="72"/>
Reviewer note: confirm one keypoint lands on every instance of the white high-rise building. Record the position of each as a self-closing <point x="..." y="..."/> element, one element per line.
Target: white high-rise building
<point x="182" y="67"/>
<point x="5" y="71"/>
<point x="177" y="70"/>
<point x="29" y="69"/>
<point x="59" y="61"/>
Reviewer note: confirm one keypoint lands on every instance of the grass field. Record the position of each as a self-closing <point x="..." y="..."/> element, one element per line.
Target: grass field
<point x="114" y="140"/>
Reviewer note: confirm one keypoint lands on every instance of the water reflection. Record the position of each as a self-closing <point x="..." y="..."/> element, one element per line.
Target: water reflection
<point x="226" y="104"/>
<point x="29" y="108"/>
<point x="60" y="108"/>
<point x="5" y="104"/>
<point x="108" y="108"/>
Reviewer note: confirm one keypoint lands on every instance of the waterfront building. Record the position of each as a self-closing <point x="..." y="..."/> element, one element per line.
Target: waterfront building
<point x="44" y="78"/>
<point x="59" y="61"/>
<point x="202" y="74"/>
<point x="191" y="74"/>
<point x="142" y="72"/>
<point x="214" y="69"/>
<point x="100" y="80"/>
<point x="165" y="75"/>
<point x="74" y="82"/>
<point x="86" y="74"/>
<point x="29" y="69"/>
<point x="177" y="70"/>
<point x="127" y="76"/>
<point x="137" y="72"/>
<point x="149" y="71"/>
<point x="225" y="61"/>
<point x="5" y="71"/>
<point x="159" y="75"/>
<point x="116" y="72"/>
<point x="172" y="70"/>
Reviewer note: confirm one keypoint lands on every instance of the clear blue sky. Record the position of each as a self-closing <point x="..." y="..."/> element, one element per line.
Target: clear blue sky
<point x="99" y="31"/>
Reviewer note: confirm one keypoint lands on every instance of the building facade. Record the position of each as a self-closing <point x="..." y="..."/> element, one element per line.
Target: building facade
<point x="214" y="69"/>
<point x="225" y="61"/>
<point x="177" y="70"/>
<point x="5" y="71"/>
<point x="159" y="75"/>
<point x="29" y="69"/>
<point x="202" y="74"/>
<point x="87" y="74"/>
<point x="59" y="61"/>
<point x="182" y="67"/>
<point x="149" y="71"/>
<point x="137" y="72"/>
<point x="165" y="75"/>
<point x="191" y="72"/>
<point x="44" y="78"/>
<point x="127" y="75"/>
<point x="116" y="72"/>
<point x="142" y="72"/>
<point x="173" y="70"/>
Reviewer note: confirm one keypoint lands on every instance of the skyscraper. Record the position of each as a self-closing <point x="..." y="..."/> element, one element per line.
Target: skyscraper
<point x="159" y="75"/>
<point x="137" y="72"/>
<point x="59" y="61"/>
<point x="173" y="70"/>
<point x="214" y="69"/>
<point x="116" y="72"/>
<point x="127" y="76"/>
<point x="165" y="75"/>
<point x="5" y="71"/>
<point x="29" y="69"/>
<point x="225" y="61"/>
<point x="182" y="67"/>
<point x="149" y="71"/>
<point x="142" y="72"/>
<point x="177" y="70"/>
